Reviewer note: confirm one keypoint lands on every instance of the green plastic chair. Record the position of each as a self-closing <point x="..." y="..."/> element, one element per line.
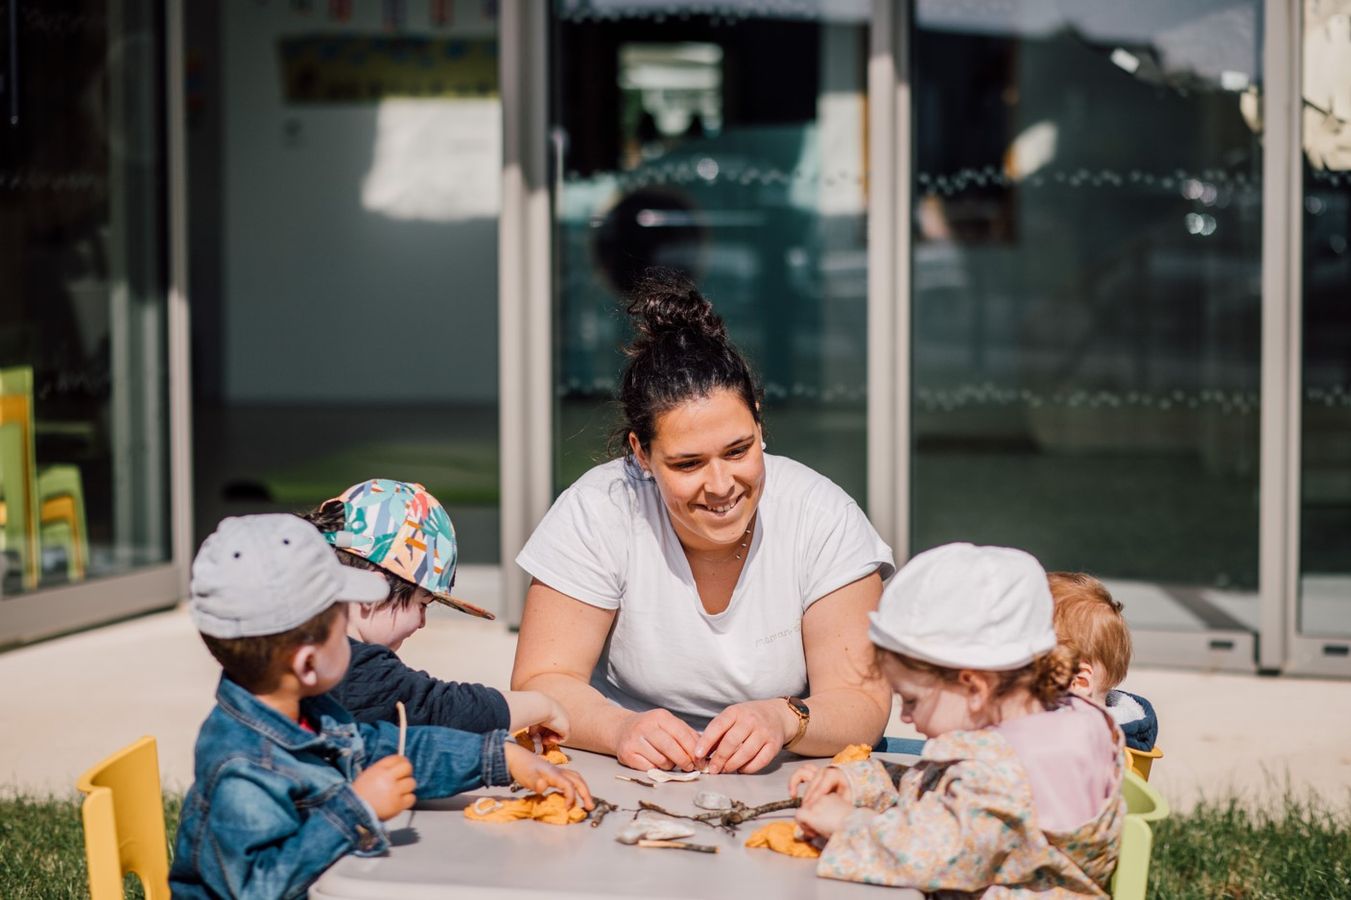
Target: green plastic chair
<point x="1143" y="806"/>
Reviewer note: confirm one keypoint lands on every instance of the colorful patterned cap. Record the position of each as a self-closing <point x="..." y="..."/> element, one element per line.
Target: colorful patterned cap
<point x="401" y="528"/>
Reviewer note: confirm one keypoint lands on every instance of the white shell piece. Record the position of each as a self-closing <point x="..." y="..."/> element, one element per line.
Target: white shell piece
<point x="712" y="800"/>
<point x="659" y="776"/>
<point x="485" y="805"/>
<point x="645" y="829"/>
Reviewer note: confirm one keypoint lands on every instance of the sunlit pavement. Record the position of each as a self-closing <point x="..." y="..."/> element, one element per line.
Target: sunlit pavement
<point x="69" y="701"/>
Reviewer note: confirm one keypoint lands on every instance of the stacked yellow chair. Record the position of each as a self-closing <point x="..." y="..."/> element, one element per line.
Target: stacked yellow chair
<point x="124" y="823"/>
<point x="37" y="506"/>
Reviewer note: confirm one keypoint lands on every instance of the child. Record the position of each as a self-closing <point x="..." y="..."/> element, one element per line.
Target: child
<point x="1089" y="622"/>
<point x="1018" y="790"/>
<point x="400" y="531"/>
<point x="285" y="781"/>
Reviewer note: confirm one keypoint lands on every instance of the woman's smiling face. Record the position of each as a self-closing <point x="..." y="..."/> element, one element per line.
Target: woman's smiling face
<point x="706" y="458"/>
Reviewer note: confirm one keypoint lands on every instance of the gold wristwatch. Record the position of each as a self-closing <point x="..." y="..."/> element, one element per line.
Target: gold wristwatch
<point x="804" y="716"/>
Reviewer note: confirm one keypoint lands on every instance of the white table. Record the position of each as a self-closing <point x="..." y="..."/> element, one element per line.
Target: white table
<point x="443" y="854"/>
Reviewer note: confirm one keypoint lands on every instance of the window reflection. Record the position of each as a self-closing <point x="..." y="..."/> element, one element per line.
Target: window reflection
<point x="83" y="461"/>
<point x="1325" y="520"/>
<point x="728" y="144"/>
<point x="1087" y="259"/>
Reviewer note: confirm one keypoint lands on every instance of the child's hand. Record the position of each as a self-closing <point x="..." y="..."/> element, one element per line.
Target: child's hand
<point x="540" y="713"/>
<point x="823" y="817"/>
<point x="533" y="773"/>
<point x="552" y="728"/>
<point x="821" y="783"/>
<point x="804" y="775"/>
<point x="387" y="785"/>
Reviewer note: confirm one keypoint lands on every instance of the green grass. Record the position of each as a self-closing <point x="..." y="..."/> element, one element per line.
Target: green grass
<point x="1231" y="850"/>
<point x="42" y="848"/>
<point x="1222" y="850"/>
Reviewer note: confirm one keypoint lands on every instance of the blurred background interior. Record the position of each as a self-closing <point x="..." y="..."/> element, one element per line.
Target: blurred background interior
<point x="1095" y="245"/>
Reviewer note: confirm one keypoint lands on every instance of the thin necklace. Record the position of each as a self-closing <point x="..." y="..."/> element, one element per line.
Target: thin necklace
<point x="740" y="548"/>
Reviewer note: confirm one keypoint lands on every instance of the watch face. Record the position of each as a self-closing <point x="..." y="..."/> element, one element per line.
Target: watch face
<point x="799" y="707"/>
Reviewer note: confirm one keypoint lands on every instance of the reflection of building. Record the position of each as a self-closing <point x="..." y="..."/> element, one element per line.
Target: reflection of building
<point x="1011" y="273"/>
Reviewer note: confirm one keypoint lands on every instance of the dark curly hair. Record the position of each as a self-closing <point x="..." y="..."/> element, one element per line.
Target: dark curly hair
<point x="680" y="351"/>
<point x="329" y="517"/>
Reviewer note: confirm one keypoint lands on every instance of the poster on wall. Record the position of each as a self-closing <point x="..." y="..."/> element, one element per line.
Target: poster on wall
<point x="317" y="69"/>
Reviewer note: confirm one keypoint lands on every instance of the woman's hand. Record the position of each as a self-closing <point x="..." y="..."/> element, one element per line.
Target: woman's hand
<point x="536" y="774"/>
<point x="387" y="785"/>
<point x="657" y="739"/>
<point x="744" y="737"/>
<point x="823" y="817"/>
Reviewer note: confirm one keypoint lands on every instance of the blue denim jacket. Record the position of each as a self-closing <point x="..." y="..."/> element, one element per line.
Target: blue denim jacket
<point x="272" y="804"/>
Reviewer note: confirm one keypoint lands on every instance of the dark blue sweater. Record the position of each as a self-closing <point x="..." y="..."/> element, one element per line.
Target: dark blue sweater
<point x="377" y="678"/>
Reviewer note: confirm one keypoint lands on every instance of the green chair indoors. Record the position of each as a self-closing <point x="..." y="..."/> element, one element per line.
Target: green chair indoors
<point x="38" y="507"/>
<point x="1143" y="806"/>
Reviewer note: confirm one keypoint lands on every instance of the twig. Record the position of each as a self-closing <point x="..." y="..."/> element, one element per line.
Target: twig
<point x="403" y="725"/>
<point x="728" y="819"/>
<point x="679" y="845"/>
<point x="601" y="810"/>
<point x="635" y="780"/>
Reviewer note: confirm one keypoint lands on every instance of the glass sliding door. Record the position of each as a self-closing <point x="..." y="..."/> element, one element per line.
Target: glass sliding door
<point x="346" y="169"/>
<point x="728" y="141"/>
<point x="1086" y="299"/>
<point x="84" y="463"/>
<point x="1323" y="614"/>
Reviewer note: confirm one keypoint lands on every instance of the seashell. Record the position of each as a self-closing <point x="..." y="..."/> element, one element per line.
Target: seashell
<point x="712" y="800"/>
<point x="659" y="776"/>
<point x="646" y="829"/>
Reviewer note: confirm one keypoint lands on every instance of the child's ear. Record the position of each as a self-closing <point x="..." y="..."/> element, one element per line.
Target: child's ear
<point x="978" y="688"/>
<point x="1083" y="679"/>
<point x="304" y="664"/>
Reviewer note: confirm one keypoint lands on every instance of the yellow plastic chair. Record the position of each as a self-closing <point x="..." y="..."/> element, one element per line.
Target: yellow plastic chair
<point x="1143" y="806"/>
<point x="1141" y="761"/>
<point x="124" y="823"/>
<point x="37" y="505"/>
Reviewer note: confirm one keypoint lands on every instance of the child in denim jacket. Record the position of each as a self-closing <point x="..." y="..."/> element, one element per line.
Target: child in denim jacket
<point x="399" y="530"/>
<point x="286" y="782"/>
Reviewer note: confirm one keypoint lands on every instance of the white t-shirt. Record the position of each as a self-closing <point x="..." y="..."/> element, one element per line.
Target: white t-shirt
<point x="608" y="542"/>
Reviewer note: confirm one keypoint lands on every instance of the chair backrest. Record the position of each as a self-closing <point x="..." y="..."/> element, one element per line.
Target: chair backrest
<point x="124" y="823"/>
<point x="1143" y="806"/>
<point x="18" y="470"/>
<point x="1141" y="761"/>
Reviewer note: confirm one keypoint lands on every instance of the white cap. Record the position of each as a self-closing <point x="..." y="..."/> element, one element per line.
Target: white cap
<point x="260" y="575"/>
<point x="967" y="607"/>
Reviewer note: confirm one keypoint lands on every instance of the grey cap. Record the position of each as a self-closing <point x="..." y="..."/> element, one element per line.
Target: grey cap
<point x="261" y="575"/>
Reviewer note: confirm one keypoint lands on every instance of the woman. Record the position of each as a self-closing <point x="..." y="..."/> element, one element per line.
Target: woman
<point x="697" y="582"/>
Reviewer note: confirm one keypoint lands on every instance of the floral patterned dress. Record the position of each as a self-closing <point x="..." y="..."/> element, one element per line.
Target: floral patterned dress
<point x="962" y="822"/>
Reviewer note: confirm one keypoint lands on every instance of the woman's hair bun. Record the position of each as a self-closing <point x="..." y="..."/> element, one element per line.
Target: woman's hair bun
<point x="667" y="300"/>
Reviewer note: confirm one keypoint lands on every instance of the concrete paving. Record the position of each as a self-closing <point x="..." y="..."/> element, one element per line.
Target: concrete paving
<point x="68" y="702"/>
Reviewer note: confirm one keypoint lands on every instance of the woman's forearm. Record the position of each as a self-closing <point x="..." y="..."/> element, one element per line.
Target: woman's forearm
<point x="594" y="720"/>
<point x="840" y="717"/>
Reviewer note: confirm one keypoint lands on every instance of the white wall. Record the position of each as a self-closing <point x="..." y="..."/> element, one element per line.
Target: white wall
<point x="360" y="245"/>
